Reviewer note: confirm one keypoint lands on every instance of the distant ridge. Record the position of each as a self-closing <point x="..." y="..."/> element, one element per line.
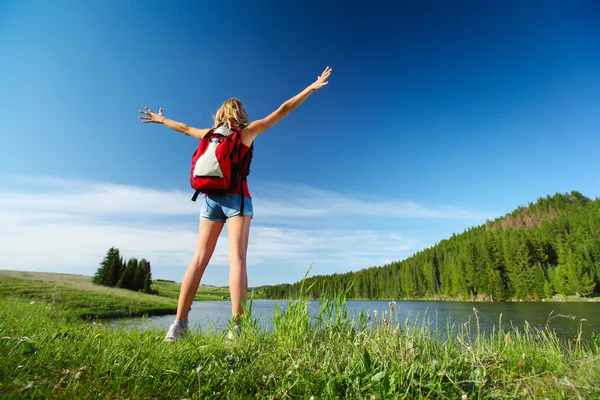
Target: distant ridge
<point x="547" y="248"/>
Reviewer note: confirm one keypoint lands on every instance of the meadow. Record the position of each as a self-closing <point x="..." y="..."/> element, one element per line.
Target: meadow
<point x="50" y="351"/>
<point x="77" y="295"/>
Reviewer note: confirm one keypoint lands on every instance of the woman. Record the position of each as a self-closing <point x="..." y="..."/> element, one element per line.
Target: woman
<point x="218" y="209"/>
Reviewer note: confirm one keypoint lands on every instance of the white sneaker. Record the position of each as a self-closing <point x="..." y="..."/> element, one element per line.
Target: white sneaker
<point x="234" y="333"/>
<point x="175" y="333"/>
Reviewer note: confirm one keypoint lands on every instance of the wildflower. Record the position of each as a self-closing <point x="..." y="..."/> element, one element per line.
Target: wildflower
<point x="32" y="303"/>
<point x="464" y="397"/>
<point x="97" y="334"/>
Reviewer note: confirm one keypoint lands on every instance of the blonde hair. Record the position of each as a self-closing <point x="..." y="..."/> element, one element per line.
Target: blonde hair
<point x="231" y="112"/>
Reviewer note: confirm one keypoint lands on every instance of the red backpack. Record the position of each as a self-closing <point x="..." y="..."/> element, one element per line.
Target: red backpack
<point x="217" y="165"/>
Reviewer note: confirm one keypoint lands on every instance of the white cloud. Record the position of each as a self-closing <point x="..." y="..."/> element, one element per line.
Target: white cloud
<point x="94" y="198"/>
<point x="67" y="226"/>
<point x="276" y="200"/>
<point x="273" y="200"/>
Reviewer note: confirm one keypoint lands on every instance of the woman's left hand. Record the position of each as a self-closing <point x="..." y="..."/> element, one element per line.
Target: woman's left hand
<point x="321" y="80"/>
<point x="151" y="116"/>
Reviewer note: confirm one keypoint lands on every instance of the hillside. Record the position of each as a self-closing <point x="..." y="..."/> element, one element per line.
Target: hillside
<point x="41" y="284"/>
<point x="78" y="296"/>
<point x="548" y="248"/>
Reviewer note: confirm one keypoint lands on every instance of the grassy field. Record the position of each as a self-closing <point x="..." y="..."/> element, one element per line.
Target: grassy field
<point x="49" y="354"/>
<point x="76" y="295"/>
<point x="77" y="292"/>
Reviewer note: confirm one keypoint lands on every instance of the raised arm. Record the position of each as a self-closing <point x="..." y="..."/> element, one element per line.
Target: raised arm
<point x="150" y="116"/>
<point x="256" y="127"/>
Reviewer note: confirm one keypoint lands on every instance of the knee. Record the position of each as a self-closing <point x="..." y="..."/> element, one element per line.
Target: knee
<point x="199" y="261"/>
<point x="237" y="260"/>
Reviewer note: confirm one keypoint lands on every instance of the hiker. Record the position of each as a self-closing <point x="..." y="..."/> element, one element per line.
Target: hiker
<point x="218" y="209"/>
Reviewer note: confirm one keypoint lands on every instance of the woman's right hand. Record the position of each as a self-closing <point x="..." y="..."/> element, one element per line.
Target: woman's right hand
<point x="321" y="80"/>
<point x="151" y="116"/>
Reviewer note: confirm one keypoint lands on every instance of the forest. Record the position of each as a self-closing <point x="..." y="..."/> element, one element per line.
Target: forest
<point x="547" y="248"/>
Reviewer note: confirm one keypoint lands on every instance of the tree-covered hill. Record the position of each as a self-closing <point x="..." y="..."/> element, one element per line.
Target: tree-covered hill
<point x="546" y="248"/>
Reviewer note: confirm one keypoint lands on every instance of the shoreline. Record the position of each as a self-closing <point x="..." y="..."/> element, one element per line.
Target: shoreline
<point x="569" y="299"/>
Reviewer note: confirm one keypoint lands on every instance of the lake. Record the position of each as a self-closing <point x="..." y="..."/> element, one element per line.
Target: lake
<point x="565" y="318"/>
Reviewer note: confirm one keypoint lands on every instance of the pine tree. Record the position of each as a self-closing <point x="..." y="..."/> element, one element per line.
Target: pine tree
<point x="139" y="276"/>
<point x="126" y="280"/>
<point x="116" y="269"/>
<point x="147" y="287"/>
<point x="580" y="279"/>
<point x="104" y="274"/>
<point x="539" y="288"/>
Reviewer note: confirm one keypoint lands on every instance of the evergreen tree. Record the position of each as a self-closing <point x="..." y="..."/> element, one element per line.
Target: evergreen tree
<point x="139" y="276"/>
<point x="147" y="286"/>
<point x="126" y="280"/>
<point x="116" y="270"/>
<point x="579" y="276"/>
<point x="104" y="273"/>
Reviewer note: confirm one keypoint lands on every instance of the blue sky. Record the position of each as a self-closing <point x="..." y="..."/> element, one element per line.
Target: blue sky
<point x="438" y="116"/>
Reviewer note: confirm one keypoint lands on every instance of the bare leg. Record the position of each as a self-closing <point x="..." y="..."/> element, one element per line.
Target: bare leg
<point x="238" y="229"/>
<point x="207" y="240"/>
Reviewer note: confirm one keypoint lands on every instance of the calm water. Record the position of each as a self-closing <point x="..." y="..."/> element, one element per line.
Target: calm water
<point x="564" y="318"/>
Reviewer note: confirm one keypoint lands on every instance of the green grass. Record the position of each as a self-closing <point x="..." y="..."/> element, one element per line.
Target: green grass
<point x="47" y="354"/>
<point x="81" y="282"/>
<point x="77" y="296"/>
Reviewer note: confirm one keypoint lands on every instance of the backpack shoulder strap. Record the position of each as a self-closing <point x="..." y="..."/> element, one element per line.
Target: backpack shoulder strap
<point x="195" y="196"/>
<point x="246" y="172"/>
<point x="209" y="133"/>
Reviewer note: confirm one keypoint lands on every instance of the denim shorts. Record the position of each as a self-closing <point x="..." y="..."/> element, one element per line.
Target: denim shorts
<point x="224" y="206"/>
